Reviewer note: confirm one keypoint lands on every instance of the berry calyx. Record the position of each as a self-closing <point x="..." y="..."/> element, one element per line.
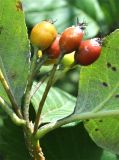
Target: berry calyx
<point x="54" y="51"/>
<point x="43" y="34"/>
<point x="70" y="39"/>
<point x="88" y="52"/>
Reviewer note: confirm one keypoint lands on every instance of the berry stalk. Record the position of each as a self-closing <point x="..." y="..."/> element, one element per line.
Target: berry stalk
<point x="48" y="86"/>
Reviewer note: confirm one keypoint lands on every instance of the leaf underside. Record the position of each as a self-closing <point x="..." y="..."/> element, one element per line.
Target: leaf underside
<point x="58" y="104"/>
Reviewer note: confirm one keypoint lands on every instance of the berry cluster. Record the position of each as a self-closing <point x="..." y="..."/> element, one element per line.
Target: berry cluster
<point x="44" y="36"/>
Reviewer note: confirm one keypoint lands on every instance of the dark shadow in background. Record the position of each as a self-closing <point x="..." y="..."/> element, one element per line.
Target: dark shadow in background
<point x="70" y="144"/>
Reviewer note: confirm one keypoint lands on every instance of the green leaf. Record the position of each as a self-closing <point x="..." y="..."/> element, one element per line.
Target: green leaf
<point x="89" y="7"/>
<point x="99" y="82"/>
<point x="99" y="91"/>
<point x="72" y="143"/>
<point x="14" y="47"/>
<point x="35" y="13"/>
<point x="12" y="143"/>
<point x="105" y="133"/>
<point x="58" y="105"/>
<point x="111" y="16"/>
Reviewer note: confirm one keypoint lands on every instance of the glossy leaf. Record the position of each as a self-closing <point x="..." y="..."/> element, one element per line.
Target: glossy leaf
<point x="14" y="47"/>
<point x="98" y="91"/>
<point x="58" y="105"/>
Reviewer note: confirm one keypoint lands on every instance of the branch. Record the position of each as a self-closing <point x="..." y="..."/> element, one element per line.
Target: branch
<point x="35" y="66"/>
<point x="37" y="150"/>
<point x="26" y="98"/>
<point x="45" y="77"/>
<point x="73" y="118"/>
<point x="10" y="112"/>
<point x="48" y="86"/>
<point x="10" y="95"/>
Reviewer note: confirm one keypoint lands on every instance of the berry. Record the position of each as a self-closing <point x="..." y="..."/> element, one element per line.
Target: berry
<point x="39" y="54"/>
<point x="68" y="60"/>
<point x="70" y="39"/>
<point x="88" y="52"/>
<point x="43" y="34"/>
<point x="54" y="50"/>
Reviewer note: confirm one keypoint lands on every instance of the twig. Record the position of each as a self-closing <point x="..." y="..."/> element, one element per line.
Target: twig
<point x="48" y="86"/>
<point x="44" y="78"/>
<point x="10" y="112"/>
<point x="10" y="95"/>
<point x="27" y="96"/>
<point x="73" y="118"/>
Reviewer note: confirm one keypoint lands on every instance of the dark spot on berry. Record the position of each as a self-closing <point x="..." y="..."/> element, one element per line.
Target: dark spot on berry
<point x="117" y="96"/>
<point x="114" y="69"/>
<point x="108" y="64"/>
<point x="100" y="120"/>
<point x="105" y="84"/>
<point x="96" y="129"/>
<point x="1" y="28"/>
<point x="19" y="6"/>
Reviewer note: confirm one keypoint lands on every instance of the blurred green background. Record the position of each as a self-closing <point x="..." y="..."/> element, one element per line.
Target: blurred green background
<point x="101" y="17"/>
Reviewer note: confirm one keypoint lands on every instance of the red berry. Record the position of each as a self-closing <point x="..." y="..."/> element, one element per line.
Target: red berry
<point x="70" y="39"/>
<point x="88" y="52"/>
<point x="54" y="50"/>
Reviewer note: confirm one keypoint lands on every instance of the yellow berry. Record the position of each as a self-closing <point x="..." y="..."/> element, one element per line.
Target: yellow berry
<point x="39" y="54"/>
<point x="43" y="34"/>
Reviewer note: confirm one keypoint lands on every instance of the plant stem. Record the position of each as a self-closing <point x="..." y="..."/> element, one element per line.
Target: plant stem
<point x="33" y="145"/>
<point x="37" y="151"/>
<point x="10" y="95"/>
<point x="73" y="118"/>
<point x="48" y="86"/>
<point x="11" y="114"/>
<point x="26" y="98"/>
<point x="35" y="66"/>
